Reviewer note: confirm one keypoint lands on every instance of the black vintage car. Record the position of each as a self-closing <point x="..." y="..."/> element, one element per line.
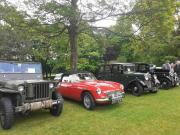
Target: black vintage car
<point x="22" y="90"/>
<point x="167" y="78"/>
<point x="133" y="81"/>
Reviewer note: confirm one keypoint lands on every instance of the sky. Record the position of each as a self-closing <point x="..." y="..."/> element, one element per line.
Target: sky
<point x="103" y="23"/>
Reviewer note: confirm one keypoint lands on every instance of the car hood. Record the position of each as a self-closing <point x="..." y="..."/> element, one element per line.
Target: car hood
<point x="12" y="84"/>
<point x="135" y="73"/>
<point x="103" y="85"/>
<point x="18" y="82"/>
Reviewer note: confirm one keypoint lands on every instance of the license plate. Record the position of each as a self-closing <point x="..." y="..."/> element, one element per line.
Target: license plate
<point x="115" y="100"/>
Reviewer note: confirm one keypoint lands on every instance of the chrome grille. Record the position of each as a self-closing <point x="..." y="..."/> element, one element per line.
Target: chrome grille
<point x="116" y="93"/>
<point x="148" y="83"/>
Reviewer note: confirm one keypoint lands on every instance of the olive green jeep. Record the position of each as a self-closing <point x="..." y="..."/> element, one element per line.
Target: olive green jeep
<point x="133" y="81"/>
<point x="23" y="90"/>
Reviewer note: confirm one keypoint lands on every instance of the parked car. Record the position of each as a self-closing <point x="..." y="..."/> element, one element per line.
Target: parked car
<point x="84" y="87"/>
<point x="22" y="90"/>
<point x="133" y="81"/>
<point x="58" y="76"/>
<point x="167" y="78"/>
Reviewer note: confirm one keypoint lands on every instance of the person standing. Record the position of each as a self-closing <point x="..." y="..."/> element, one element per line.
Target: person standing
<point x="177" y="68"/>
<point x="167" y="66"/>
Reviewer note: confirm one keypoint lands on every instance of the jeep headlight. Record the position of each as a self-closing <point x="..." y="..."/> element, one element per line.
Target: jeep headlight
<point x="51" y="85"/>
<point x="99" y="91"/>
<point x="146" y="77"/>
<point x="21" y="88"/>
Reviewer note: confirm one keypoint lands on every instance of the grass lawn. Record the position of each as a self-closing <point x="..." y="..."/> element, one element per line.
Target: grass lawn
<point x="150" y="114"/>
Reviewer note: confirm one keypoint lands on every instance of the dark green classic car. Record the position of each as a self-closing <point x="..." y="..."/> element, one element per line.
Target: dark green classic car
<point x="133" y="81"/>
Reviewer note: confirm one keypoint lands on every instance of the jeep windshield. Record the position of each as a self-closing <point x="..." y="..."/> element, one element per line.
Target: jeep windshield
<point x="20" y="68"/>
<point x="20" y="71"/>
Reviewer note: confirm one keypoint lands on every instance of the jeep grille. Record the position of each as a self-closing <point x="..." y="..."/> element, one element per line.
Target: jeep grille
<point x="37" y="91"/>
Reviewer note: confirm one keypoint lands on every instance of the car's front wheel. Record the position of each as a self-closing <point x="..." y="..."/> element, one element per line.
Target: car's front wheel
<point x="88" y="101"/>
<point x="57" y="108"/>
<point x="165" y="84"/>
<point x="6" y="113"/>
<point x="137" y="89"/>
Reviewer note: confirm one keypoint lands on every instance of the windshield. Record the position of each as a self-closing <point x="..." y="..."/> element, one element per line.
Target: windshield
<point x="78" y="77"/>
<point x="129" y="68"/>
<point x="143" y="67"/>
<point x="6" y="67"/>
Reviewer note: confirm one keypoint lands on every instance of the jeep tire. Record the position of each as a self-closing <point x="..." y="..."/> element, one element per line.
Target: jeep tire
<point x="6" y="113"/>
<point x="137" y="89"/>
<point x="57" y="108"/>
<point x="88" y="101"/>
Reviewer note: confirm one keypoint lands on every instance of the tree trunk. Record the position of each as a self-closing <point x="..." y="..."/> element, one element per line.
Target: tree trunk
<point x="74" y="56"/>
<point x="73" y="35"/>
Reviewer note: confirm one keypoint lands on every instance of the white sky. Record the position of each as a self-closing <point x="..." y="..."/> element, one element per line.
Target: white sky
<point x="103" y="23"/>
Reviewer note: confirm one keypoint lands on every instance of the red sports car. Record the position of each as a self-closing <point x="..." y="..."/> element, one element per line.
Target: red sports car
<point x="86" y="88"/>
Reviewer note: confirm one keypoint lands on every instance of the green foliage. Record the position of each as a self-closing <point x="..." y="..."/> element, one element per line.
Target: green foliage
<point x="88" y="52"/>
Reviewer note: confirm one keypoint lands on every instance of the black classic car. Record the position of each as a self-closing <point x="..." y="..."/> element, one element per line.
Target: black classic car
<point x="22" y="90"/>
<point x="133" y="81"/>
<point x="167" y="78"/>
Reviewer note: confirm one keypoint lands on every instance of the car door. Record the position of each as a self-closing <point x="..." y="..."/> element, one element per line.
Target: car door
<point x="105" y="73"/>
<point x="65" y="87"/>
<point x="118" y="74"/>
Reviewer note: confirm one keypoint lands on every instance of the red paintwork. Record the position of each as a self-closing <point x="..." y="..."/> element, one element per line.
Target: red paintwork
<point x="74" y="90"/>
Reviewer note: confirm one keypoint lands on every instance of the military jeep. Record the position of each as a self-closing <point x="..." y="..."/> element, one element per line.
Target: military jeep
<point x="135" y="82"/>
<point x="23" y="90"/>
<point x="167" y="78"/>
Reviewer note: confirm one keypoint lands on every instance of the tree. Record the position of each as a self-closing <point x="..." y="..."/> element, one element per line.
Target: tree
<point x="74" y="16"/>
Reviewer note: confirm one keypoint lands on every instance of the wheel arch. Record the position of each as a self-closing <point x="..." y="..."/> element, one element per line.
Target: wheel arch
<point x="134" y="82"/>
<point x="84" y="91"/>
<point x="13" y="96"/>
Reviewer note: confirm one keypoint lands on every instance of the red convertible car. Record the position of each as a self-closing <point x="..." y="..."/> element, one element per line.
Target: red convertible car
<point x="86" y="88"/>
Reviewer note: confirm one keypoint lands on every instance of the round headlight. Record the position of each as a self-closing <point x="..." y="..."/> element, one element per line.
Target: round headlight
<point x="121" y="87"/>
<point x="146" y="77"/>
<point x="99" y="91"/>
<point x="155" y="77"/>
<point x="20" y="88"/>
<point x="51" y="85"/>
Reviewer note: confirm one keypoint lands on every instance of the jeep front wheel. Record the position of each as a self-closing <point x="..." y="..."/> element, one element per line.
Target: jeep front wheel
<point x="137" y="89"/>
<point x="88" y="101"/>
<point x="57" y="108"/>
<point x="6" y="113"/>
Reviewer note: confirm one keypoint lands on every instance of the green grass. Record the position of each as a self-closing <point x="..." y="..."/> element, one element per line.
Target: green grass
<point x="150" y="114"/>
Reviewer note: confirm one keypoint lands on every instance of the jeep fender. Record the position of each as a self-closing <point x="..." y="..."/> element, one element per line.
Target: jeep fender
<point x="8" y="91"/>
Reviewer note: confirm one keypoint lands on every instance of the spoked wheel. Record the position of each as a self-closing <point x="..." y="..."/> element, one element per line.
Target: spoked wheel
<point x="137" y="89"/>
<point x="6" y="113"/>
<point x="57" y="108"/>
<point x="165" y="84"/>
<point x="88" y="101"/>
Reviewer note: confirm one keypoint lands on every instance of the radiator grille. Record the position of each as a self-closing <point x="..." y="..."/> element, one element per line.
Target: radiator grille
<point x="37" y="91"/>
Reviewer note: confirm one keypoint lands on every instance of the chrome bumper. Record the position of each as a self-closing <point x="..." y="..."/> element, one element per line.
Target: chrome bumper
<point x="112" y="99"/>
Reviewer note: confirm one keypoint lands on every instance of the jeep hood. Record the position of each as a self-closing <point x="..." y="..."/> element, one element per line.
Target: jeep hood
<point x="13" y="84"/>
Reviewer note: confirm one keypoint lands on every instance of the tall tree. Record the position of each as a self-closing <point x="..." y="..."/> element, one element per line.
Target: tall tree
<point x="75" y="16"/>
